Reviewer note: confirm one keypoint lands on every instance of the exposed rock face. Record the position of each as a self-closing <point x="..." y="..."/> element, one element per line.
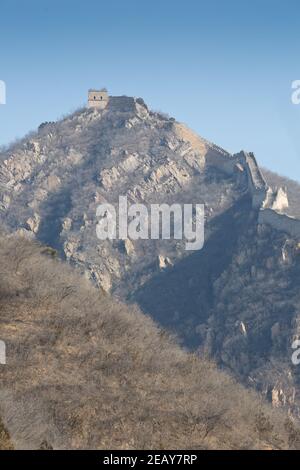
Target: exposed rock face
<point x="277" y="200"/>
<point x="237" y="299"/>
<point x="33" y="223"/>
<point x="53" y="183"/>
<point x="129" y="247"/>
<point x="164" y="262"/>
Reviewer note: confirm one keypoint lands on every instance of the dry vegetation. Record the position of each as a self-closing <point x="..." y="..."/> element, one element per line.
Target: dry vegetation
<point x="5" y="442"/>
<point x="84" y="371"/>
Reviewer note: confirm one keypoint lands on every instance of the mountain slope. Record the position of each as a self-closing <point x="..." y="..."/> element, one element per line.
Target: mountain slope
<point x="53" y="181"/>
<point x="86" y="372"/>
<point x="237" y="299"/>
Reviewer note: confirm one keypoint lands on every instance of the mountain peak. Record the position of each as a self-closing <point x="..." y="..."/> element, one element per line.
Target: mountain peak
<point x="53" y="180"/>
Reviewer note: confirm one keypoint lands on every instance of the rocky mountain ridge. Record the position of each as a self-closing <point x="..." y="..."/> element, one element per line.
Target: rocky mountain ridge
<point x="237" y="299"/>
<point x="93" y="156"/>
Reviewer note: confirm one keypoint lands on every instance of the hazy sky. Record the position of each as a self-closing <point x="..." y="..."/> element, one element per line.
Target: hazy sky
<point x="223" y="67"/>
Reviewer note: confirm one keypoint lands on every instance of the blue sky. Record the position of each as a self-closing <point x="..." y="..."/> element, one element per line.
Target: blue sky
<point x="223" y="67"/>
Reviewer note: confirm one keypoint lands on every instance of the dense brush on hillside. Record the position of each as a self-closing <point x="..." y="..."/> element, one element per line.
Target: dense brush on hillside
<point x="5" y="441"/>
<point x="84" y="371"/>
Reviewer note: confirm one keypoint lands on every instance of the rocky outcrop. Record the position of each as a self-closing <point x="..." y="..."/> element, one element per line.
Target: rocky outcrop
<point x="33" y="223"/>
<point x="164" y="262"/>
<point x="276" y="200"/>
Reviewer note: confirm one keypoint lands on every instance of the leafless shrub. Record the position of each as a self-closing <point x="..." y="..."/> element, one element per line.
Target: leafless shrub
<point x="5" y="442"/>
<point x="84" y="371"/>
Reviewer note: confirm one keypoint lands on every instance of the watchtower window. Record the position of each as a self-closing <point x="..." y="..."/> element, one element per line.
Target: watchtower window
<point x="95" y="97"/>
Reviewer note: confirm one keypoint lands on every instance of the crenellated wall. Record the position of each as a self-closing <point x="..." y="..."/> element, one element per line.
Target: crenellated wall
<point x="122" y="103"/>
<point x="271" y="203"/>
<point x="256" y="184"/>
<point x="224" y="162"/>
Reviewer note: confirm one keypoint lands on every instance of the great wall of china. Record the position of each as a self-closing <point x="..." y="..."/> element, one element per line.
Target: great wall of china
<point x="270" y="203"/>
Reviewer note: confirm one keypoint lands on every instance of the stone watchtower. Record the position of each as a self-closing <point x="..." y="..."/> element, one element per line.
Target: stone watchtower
<point x="98" y="98"/>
